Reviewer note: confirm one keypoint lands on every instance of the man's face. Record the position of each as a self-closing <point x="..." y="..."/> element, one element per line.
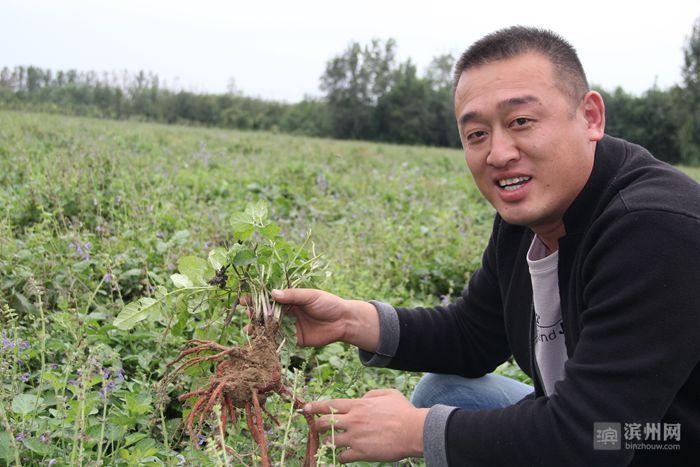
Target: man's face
<point x="529" y="148"/>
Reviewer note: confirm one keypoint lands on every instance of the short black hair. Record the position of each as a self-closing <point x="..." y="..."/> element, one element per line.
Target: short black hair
<point x="517" y="40"/>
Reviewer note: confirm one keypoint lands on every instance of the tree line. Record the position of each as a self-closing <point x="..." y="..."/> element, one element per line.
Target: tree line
<point x="368" y="94"/>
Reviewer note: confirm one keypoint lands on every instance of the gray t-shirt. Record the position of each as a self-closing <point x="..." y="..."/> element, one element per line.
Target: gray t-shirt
<point x="550" y="351"/>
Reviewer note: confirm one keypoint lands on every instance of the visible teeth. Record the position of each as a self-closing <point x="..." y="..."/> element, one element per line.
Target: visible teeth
<point x="511" y="181"/>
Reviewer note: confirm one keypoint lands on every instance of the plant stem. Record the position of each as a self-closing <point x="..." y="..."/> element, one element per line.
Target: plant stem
<point x="164" y="428"/>
<point x="291" y="414"/>
<point x="102" y="428"/>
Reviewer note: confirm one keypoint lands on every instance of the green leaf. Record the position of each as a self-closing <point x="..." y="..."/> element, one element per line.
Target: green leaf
<point x="24" y="404"/>
<point x="34" y="444"/>
<point x="244" y="257"/>
<point x="180" y="237"/>
<point x="258" y="211"/>
<point x="242" y="224"/>
<point x="4" y="445"/>
<point x="147" y="447"/>
<point x="133" y="438"/>
<point x="235" y="248"/>
<point x="181" y="281"/>
<point x="160" y="292"/>
<point x="270" y="231"/>
<point x="276" y="278"/>
<point x="138" y="403"/>
<point x="264" y="254"/>
<point x="136" y="272"/>
<point x="196" y="269"/>
<point x="135" y="312"/>
<point x="217" y="258"/>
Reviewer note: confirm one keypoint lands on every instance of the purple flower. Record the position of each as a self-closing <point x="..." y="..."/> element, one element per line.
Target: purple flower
<point x="181" y="459"/>
<point x="24" y="345"/>
<point x="107" y="388"/>
<point x="52" y="462"/>
<point x="6" y="343"/>
<point x="105" y="373"/>
<point x="20" y="437"/>
<point x="44" y="438"/>
<point x="24" y="377"/>
<point x="118" y="199"/>
<point x="120" y="374"/>
<point x="108" y="278"/>
<point x="202" y="439"/>
<point x="73" y="382"/>
<point x="54" y="366"/>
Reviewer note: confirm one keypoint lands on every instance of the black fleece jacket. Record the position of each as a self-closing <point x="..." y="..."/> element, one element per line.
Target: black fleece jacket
<point x="629" y="281"/>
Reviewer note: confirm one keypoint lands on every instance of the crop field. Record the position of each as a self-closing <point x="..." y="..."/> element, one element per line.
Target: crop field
<point x="95" y="214"/>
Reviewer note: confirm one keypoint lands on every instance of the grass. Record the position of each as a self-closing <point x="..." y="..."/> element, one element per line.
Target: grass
<point x="95" y="213"/>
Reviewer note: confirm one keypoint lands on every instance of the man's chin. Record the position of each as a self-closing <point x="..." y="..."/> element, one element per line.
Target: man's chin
<point x="514" y="219"/>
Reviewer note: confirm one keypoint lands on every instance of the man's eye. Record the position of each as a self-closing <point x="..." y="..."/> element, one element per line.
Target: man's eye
<point x="475" y="136"/>
<point x="520" y="121"/>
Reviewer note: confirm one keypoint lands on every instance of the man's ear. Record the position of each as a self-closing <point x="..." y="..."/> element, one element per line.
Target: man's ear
<point x="594" y="114"/>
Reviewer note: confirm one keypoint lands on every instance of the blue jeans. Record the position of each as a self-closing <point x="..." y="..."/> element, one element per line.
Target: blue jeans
<point x="492" y="391"/>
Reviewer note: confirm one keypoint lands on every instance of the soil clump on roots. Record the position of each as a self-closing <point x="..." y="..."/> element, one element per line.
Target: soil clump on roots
<point x="243" y="379"/>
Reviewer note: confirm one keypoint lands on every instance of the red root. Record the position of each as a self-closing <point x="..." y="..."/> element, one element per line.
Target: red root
<point x="243" y="379"/>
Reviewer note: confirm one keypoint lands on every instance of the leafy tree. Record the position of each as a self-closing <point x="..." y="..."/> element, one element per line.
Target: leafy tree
<point x="414" y="112"/>
<point x="439" y="72"/>
<point x="308" y="117"/>
<point x="650" y="120"/>
<point x="402" y="113"/>
<point x="354" y="82"/>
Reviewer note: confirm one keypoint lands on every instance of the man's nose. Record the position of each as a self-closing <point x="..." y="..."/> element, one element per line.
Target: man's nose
<point x="503" y="149"/>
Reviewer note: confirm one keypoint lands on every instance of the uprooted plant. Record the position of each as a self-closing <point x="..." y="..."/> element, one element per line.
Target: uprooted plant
<point x="259" y="261"/>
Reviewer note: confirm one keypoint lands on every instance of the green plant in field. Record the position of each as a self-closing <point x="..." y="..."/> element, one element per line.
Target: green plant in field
<point x="258" y="261"/>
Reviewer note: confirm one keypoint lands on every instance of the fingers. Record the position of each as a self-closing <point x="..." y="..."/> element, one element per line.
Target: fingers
<point x="299" y="333"/>
<point x="338" y="440"/>
<point x="324" y="423"/>
<point x="336" y="406"/>
<point x="246" y="301"/>
<point x="296" y="296"/>
<point x="379" y="392"/>
<point x="349" y="455"/>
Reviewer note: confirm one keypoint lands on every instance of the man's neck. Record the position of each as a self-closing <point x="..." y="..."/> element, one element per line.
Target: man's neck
<point x="550" y="235"/>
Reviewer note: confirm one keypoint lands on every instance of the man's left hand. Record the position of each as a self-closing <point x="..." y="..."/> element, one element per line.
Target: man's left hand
<point x="381" y="426"/>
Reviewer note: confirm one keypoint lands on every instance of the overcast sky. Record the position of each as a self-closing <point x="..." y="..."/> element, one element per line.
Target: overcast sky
<point x="278" y="49"/>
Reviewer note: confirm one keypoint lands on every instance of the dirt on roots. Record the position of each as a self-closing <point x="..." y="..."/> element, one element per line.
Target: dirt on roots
<point x="244" y="377"/>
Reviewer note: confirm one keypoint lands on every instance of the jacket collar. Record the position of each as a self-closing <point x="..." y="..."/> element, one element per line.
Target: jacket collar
<point x="609" y="155"/>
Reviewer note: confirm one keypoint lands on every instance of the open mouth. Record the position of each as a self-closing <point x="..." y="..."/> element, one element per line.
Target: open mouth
<point x="512" y="184"/>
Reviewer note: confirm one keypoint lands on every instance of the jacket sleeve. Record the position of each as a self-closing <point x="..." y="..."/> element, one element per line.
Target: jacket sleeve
<point x="467" y="338"/>
<point x="638" y="345"/>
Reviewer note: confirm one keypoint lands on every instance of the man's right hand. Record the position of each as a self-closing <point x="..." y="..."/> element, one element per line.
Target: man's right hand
<point x="323" y="318"/>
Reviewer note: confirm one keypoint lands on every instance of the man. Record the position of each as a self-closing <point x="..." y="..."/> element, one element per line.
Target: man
<point x="590" y="280"/>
